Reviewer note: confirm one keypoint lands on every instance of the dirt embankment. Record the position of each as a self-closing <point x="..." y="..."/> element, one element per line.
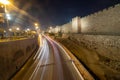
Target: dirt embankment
<point x="98" y="65"/>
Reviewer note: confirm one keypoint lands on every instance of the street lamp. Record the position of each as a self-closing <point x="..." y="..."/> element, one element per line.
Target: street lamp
<point x="6" y="2"/>
<point x="8" y="16"/>
<point x="4" y="31"/>
<point x="10" y="29"/>
<point x="36" y="27"/>
<point x="17" y="29"/>
<point x="28" y="29"/>
<point x="36" y="24"/>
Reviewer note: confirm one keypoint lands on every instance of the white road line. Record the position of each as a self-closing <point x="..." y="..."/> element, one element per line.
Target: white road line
<point x="39" y="63"/>
<point x="68" y="57"/>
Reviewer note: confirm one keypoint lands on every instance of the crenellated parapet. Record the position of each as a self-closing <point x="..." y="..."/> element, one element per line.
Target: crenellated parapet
<point x="106" y="21"/>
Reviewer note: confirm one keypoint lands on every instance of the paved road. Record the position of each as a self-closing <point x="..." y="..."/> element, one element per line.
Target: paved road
<point x="51" y="63"/>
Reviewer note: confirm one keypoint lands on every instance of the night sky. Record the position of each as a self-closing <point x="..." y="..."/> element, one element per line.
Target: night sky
<point x="58" y="12"/>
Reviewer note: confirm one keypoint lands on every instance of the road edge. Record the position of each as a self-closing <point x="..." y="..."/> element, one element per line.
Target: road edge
<point x="83" y="71"/>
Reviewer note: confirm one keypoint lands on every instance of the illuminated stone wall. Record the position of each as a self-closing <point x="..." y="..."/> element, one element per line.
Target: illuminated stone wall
<point x="57" y="29"/>
<point x="72" y="27"/>
<point x="106" y="21"/>
<point x="76" y="25"/>
<point x="66" y="28"/>
<point x="102" y="22"/>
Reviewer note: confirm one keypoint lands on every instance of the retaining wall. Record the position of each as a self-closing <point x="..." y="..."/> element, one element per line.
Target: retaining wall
<point x="13" y="55"/>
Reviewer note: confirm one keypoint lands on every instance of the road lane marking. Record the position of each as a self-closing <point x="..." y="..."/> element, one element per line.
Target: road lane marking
<point x="67" y="56"/>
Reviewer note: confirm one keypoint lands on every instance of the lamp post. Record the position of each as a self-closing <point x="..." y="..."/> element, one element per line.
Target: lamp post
<point x="6" y="2"/>
<point x="10" y="29"/>
<point x="17" y="29"/>
<point x="37" y="27"/>
<point x="8" y="16"/>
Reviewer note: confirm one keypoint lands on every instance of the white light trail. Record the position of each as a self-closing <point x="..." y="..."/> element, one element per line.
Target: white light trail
<point x="67" y="56"/>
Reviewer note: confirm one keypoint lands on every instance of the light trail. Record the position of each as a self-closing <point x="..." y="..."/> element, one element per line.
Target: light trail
<point x="58" y="61"/>
<point x="51" y="63"/>
<point x="46" y="59"/>
<point x="43" y="59"/>
<point x="51" y="40"/>
<point x="58" y="45"/>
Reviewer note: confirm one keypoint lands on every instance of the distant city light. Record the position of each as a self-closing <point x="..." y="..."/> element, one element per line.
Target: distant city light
<point x="10" y="29"/>
<point x="2" y="6"/>
<point x="4" y="31"/>
<point x="36" y="27"/>
<point x="36" y="24"/>
<point x="17" y="29"/>
<point x="8" y="16"/>
<point x="50" y="27"/>
<point x="28" y="29"/>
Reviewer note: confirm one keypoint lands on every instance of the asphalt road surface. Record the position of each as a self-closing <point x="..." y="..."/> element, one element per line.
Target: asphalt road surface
<point x="51" y="62"/>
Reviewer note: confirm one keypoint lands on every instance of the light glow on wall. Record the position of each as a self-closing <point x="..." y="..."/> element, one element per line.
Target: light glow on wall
<point x="84" y="24"/>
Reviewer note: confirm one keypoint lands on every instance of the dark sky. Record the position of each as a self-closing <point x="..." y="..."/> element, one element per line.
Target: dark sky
<point x="58" y="12"/>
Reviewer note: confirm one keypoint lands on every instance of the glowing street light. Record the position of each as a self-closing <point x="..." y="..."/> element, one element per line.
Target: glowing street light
<point x="36" y="24"/>
<point x="28" y="29"/>
<point x="5" y="2"/>
<point x="10" y="29"/>
<point x="17" y="29"/>
<point x="8" y="16"/>
<point x="36" y="27"/>
<point x="2" y="6"/>
<point x="4" y="31"/>
<point x="50" y="27"/>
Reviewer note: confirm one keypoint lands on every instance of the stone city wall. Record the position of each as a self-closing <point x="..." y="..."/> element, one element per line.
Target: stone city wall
<point x="66" y="28"/>
<point x="13" y="55"/>
<point x="106" y="21"/>
<point x="102" y="22"/>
